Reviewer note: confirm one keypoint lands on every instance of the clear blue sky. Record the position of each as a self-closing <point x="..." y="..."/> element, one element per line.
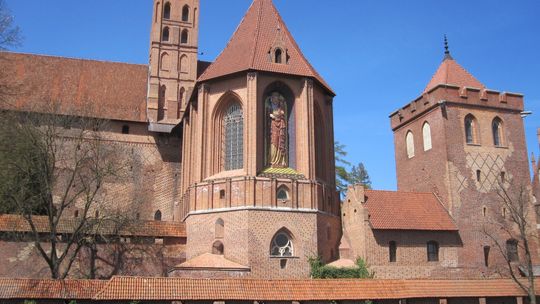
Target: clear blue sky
<point x="377" y="55"/>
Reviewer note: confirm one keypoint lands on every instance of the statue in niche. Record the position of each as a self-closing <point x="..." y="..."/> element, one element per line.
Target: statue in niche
<point x="276" y="108"/>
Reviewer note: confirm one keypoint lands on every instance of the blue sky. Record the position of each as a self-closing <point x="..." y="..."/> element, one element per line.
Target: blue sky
<point x="377" y="55"/>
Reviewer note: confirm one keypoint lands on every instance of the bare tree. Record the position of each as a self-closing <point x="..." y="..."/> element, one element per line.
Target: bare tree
<point x="10" y="35"/>
<point x="54" y="166"/>
<point x="513" y="231"/>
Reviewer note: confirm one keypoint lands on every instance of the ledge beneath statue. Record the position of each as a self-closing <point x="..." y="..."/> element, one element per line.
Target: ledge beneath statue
<point x="287" y="173"/>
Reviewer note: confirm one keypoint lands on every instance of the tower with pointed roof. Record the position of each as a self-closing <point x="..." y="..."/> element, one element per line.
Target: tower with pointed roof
<point x="464" y="143"/>
<point x="258" y="159"/>
<point x="173" y="62"/>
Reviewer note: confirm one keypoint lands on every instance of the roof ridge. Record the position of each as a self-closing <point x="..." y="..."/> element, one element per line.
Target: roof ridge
<point x="73" y="58"/>
<point x="257" y="31"/>
<point x="229" y="41"/>
<point x="399" y="191"/>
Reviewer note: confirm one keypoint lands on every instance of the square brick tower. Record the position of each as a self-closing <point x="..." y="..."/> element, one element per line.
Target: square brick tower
<point x="465" y="143"/>
<point x="173" y="61"/>
<point x="258" y="158"/>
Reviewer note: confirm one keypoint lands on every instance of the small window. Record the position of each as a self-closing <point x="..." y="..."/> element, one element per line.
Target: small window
<point x="282" y="194"/>
<point x="185" y="13"/>
<point x="426" y="132"/>
<point x="97" y="213"/>
<point x="125" y="129"/>
<point x="167" y="11"/>
<point x="486" y="255"/>
<point x="217" y="248"/>
<point x="470" y="129"/>
<point x="497" y="132"/>
<point x="484" y="211"/>
<point x="157" y="216"/>
<point x="138" y="216"/>
<point x="409" y="140"/>
<point x="478" y="175"/>
<point x="278" y="56"/>
<point x="165" y="34"/>
<point x="504" y="211"/>
<point x="503" y="177"/>
<point x="433" y="251"/>
<point x="392" y="252"/>
<point x="76" y="214"/>
<point x="184" y="37"/>
<point x="282" y="245"/>
<point x="221" y="194"/>
<point x="512" y="250"/>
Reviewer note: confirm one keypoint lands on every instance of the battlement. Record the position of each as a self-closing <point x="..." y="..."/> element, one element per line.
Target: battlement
<point x="450" y="94"/>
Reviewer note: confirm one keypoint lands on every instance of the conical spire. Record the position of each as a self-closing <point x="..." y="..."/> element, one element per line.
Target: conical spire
<point x="451" y="73"/>
<point x="260" y="31"/>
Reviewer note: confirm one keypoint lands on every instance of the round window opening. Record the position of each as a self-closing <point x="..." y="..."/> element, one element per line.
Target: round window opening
<point x="282" y="246"/>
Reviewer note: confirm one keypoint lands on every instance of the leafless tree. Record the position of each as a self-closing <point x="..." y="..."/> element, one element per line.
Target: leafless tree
<point x="53" y="166"/>
<point x="513" y="231"/>
<point x="10" y="35"/>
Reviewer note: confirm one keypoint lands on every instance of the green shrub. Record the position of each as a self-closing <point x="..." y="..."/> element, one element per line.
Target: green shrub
<point x="321" y="271"/>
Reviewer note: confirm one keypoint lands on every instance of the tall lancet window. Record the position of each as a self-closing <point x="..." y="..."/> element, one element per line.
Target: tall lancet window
<point x="233" y="123"/>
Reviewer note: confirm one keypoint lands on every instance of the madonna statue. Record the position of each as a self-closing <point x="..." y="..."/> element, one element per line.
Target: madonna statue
<point x="277" y="113"/>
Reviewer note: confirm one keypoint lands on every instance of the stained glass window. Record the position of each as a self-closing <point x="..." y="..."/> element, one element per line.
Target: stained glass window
<point x="234" y="138"/>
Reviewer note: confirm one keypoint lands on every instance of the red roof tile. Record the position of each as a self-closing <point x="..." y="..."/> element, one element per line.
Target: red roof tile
<point x="79" y="87"/>
<point x="211" y="261"/>
<point x="390" y="210"/>
<point x="249" y="47"/>
<point x="162" y="289"/>
<point x="450" y="72"/>
<point x="124" y="288"/>
<point x="49" y="289"/>
<point x="16" y="223"/>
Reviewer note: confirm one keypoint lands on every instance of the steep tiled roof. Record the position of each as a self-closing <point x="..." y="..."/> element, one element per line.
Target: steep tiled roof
<point x="79" y="87"/>
<point x="451" y="72"/>
<point x="250" y="45"/>
<point x="15" y="223"/>
<point x="49" y="289"/>
<point x="162" y="289"/>
<point x="390" y="210"/>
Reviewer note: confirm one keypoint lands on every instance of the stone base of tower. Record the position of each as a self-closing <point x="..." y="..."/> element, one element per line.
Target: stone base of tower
<point x="240" y="243"/>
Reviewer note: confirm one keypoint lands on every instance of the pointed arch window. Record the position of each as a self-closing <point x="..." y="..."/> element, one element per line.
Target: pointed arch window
<point x="157" y="216"/>
<point x="166" y="33"/>
<point x="409" y="140"/>
<point x="185" y="13"/>
<point x="233" y="123"/>
<point x="471" y="127"/>
<point x="165" y="62"/>
<point x="184" y="37"/>
<point x="426" y="134"/>
<point x="167" y="11"/>
<point x="497" y="129"/>
<point x="282" y="245"/>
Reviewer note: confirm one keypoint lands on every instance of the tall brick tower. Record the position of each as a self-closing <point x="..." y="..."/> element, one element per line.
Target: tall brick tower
<point x="258" y="164"/>
<point x="463" y="142"/>
<point x="173" y="61"/>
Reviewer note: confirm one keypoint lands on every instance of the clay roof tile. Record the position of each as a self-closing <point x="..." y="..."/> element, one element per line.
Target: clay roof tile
<point x="248" y="49"/>
<point x="452" y="73"/>
<point x="391" y="210"/>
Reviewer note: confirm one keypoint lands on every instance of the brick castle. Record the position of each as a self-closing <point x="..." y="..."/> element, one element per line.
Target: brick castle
<point x="233" y="170"/>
